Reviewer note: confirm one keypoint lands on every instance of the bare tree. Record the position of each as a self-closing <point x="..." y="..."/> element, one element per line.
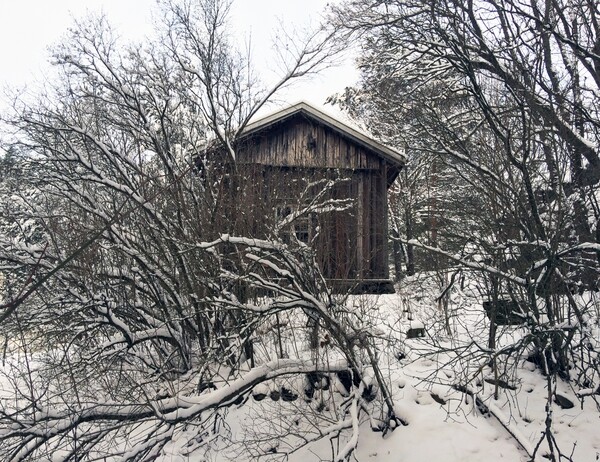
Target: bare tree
<point x="504" y="95"/>
<point x="136" y="293"/>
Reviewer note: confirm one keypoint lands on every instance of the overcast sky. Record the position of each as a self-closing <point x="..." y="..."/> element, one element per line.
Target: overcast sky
<point x="29" y="27"/>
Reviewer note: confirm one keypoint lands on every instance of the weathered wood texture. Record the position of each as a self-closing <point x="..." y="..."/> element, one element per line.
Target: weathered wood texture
<point x="276" y="166"/>
<point x="300" y="142"/>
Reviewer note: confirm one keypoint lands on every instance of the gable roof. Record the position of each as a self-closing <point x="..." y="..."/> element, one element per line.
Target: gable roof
<point x="391" y="155"/>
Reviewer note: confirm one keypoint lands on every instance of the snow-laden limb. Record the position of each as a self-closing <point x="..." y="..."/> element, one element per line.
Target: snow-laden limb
<point x="296" y="278"/>
<point x="183" y="408"/>
<point x="22" y="436"/>
<point x="250" y="242"/>
<point x="589" y="246"/>
<point x="507" y="423"/>
<point x="350" y="446"/>
<point x="468" y="263"/>
<point x="313" y="200"/>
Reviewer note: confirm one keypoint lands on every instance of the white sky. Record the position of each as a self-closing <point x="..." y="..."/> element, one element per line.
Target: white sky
<point x="29" y="27"/>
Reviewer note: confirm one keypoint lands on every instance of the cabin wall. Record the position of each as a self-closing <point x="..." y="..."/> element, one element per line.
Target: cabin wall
<point x="302" y="143"/>
<point x="275" y="168"/>
<point x="373" y="199"/>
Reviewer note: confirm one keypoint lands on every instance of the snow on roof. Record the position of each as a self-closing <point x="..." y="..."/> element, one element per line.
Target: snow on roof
<point x="359" y="136"/>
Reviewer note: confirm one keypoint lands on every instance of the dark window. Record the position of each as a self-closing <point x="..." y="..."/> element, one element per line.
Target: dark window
<point x="300" y="229"/>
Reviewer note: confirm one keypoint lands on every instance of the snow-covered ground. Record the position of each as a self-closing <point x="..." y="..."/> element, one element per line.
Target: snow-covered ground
<point x="440" y="422"/>
<point x="443" y="424"/>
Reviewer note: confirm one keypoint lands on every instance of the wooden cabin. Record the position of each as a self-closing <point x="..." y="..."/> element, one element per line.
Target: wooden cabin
<point x="300" y="156"/>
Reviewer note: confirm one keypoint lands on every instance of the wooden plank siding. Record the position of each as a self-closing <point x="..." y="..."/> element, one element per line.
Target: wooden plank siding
<point x="276" y="163"/>
<point x="303" y="143"/>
